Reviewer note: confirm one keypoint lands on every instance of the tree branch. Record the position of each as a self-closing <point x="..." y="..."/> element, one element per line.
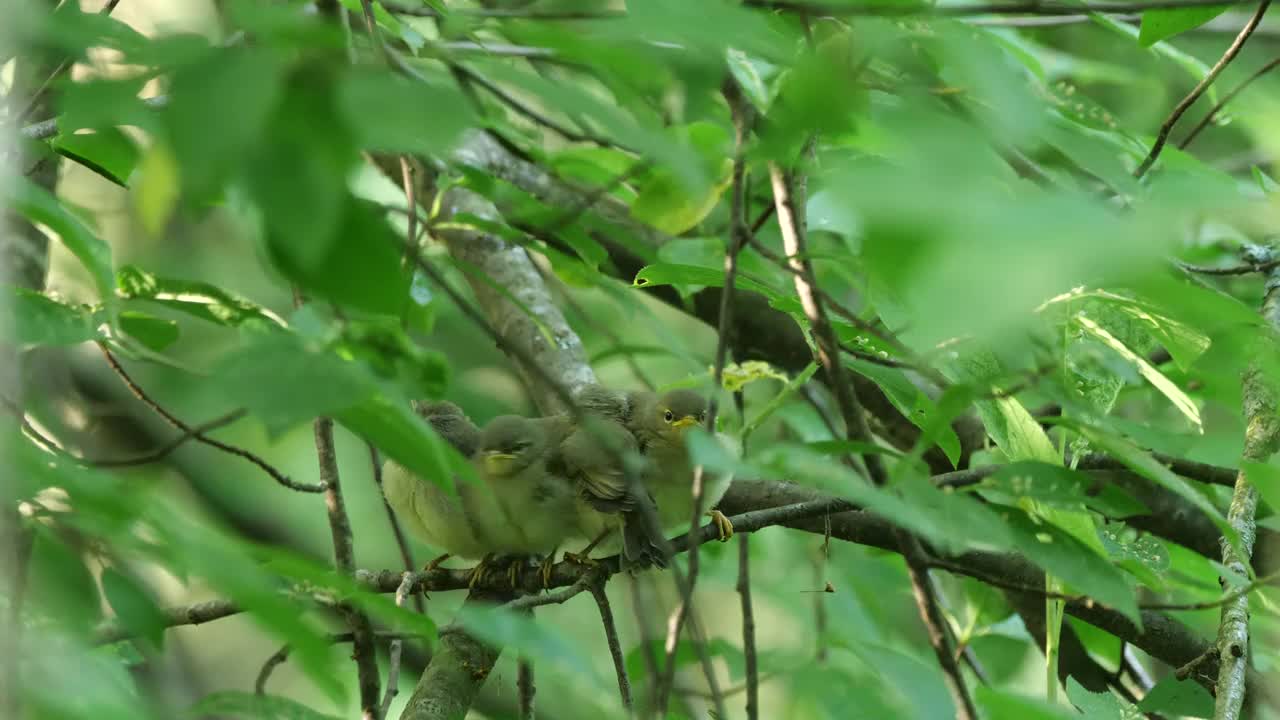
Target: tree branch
<point x="1162" y="136"/>
<point x="344" y="558"/>
<point x="828" y="351"/>
<point x="1228" y="97"/>
<point x="1261" y="440"/>
<point x="173" y="420"/>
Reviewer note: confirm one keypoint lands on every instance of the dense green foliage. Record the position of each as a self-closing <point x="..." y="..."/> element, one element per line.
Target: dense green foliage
<point x="1007" y="290"/>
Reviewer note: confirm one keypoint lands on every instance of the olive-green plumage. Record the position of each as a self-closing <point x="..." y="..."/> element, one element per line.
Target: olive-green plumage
<point x="517" y="508"/>
<point x="529" y="506"/>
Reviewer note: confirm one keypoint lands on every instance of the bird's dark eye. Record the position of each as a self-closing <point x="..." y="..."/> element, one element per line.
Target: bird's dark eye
<point x="668" y="416"/>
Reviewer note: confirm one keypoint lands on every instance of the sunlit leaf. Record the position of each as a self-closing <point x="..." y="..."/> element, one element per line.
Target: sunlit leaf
<point x="41" y="320"/>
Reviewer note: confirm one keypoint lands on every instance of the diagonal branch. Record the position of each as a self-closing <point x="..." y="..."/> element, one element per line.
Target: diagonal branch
<point x="198" y="434"/>
<point x="1162" y="136"/>
<point x="828" y="351"/>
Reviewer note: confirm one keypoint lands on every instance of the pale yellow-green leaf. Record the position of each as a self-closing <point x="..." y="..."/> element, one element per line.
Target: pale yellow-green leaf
<point x="668" y="205"/>
<point x="738" y="375"/>
<point x="1180" y="400"/>
<point x="155" y="192"/>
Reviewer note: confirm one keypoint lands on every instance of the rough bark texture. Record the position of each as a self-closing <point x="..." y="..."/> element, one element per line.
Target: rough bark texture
<point x="759" y="331"/>
<point x="509" y="267"/>
<point x="1261" y="440"/>
<point x="457" y="671"/>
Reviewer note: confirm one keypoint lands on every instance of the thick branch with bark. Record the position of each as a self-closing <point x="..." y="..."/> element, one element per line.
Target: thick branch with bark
<point x="1261" y="440"/>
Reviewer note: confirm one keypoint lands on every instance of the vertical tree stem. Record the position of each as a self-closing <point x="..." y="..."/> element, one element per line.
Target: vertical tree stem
<point x="748" y="627"/>
<point x="344" y="557"/>
<point x="828" y="349"/>
<point x="1261" y="440"/>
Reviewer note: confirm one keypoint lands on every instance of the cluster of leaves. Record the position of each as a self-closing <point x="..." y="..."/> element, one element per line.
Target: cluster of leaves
<point x="969" y="193"/>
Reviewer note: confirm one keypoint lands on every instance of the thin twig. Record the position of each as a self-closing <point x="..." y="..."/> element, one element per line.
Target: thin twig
<point x="174" y="421"/>
<point x="748" y="627"/>
<point x="402" y="543"/>
<point x="63" y="66"/>
<point x="1245" y="269"/>
<point x="525" y="688"/>
<point x="524" y="109"/>
<point x="738" y="236"/>
<point x="856" y="428"/>
<point x="394" y="651"/>
<point x="163" y="451"/>
<point x="1162" y="136"/>
<point x="396" y="8"/>
<point x="344" y="558"/>
<point x="880" y="8"/>
<point x="1213" y="112"/>
<point x="615" y="647"/>
<point x="277" y="659"/>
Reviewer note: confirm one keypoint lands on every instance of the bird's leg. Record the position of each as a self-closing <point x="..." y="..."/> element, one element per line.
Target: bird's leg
<point x="546" y="566"/>
<point x="479" y="571"/>
<point x="722" y="524"/>
<point x="580" y="557"/>
<point x="436" y="563"/>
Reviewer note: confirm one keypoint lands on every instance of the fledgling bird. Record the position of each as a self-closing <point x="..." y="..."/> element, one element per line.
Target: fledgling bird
<point x="433" y="515"/>
<point x="517" y="508"/>
<point x="597" y="456"/>
<point x="658" y="424"/>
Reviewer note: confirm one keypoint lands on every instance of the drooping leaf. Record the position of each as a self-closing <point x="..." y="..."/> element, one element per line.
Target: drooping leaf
<point x="1178" y="697"/>
<point x="134" y="606"/>
<point x="1175" y="394"/>
<point x="1159" y="24"/>
<point x="40" y="206"/>
<point x="250" y="706"/>
<point x="153" y="332"/>
<point x="909" y="400"/>
<point x="397" y="114"/>
<point x="41" y="320"/>
<point x="108" y="152"/>
<point x="198" y="299"/>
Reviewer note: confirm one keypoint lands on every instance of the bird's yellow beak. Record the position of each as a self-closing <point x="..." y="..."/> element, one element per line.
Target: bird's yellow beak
<point x="498" y="463"/>
<point x="684" y="423"/>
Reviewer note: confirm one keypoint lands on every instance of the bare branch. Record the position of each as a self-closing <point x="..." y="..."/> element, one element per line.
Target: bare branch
<point x="748" y="628"/>
<point x="615" y="647"/>
<point x="393" y="652"/>
<point x="344" y="558"/>
<point x="1162" y="136"/>
<point x="173" y="420"/>
<point x="1213" y="112"/>
<point x="793" y="238"/>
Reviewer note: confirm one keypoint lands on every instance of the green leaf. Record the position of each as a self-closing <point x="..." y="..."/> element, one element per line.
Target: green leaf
<point x="361" y="269"/>
<point x="673" y="274"/>
<point x="1176" y="697"/>
<point x="1056" y="486"/>
<point x="237" y="704"/>
<point x="909" y="400"/>
<point x="670" y="206"/>
<point x="198" y="299"/>
<point x="134" y="607"/>
<point x="849" y="447"/>
<point x="284" y="381"/>
<point x="751" y="75"/>
<point x="1148" y="467"/>
<point x="399" y="433"/>
<point x="108" y="152"/>
<point x="1064" y="556"/>
<point x="997" y="704"/>
<point x="158" y="188"/>
<point x="41" y="320"/>
<point x="217" y="110"/>
<point x="1191" y="65"/>
<point x="153" y="332"/>
<point x="1265" y="182"/>
<point x="1165" y="23"/>
<point x="396" y="114"/>
<point x="1184" y="404"/>
<point x="40" y="206"/>
<point x="1095" y="706"/>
